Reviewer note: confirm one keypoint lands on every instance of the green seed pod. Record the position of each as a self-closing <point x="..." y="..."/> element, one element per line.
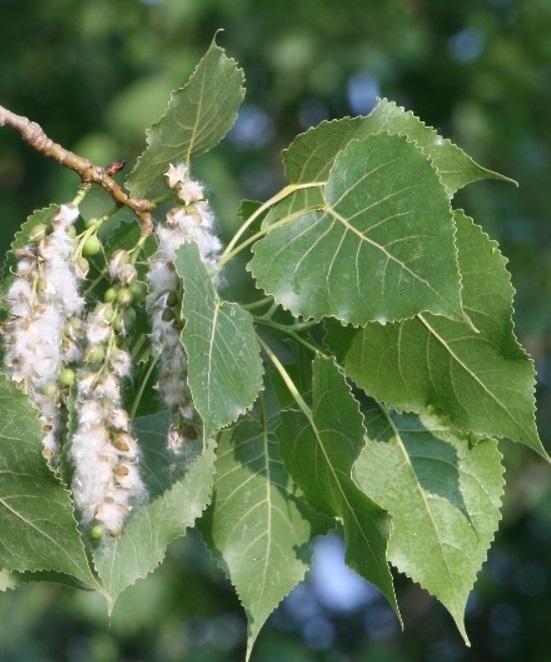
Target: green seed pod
<point x="129" y="318"/>
<point x="96" y="532"/>
<point x="38" y="232"/>
<point x="124" y="296"/>
<point x="168" y="315"/>
<point x="139" y="291"/>
<point x="118" y="323"/>
<point x="72" y="231"/>
<point x="172" y="299"/>
<point x="50" y="390"/>
<point x="92" y="246"/>
<point x="94" y="354"/>
<point x="110" y="295"/>
<point x="67" y="377"/>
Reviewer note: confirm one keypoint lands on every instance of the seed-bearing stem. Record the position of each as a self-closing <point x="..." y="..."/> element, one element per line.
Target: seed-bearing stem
<point x="89" y="173"/>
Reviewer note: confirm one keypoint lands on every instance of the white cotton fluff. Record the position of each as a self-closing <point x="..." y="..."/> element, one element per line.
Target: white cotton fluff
<point x="101" y="493"/>
<point x="191" y="222"/>
<point x="42" y="298"/>
<point x="105" y="486"/>
<point x="106" y="481"/>
<point x="121" y="269"/>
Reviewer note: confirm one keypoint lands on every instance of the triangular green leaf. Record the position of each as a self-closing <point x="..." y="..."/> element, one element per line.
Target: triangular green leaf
<point x="224" y="364"/>
<point x="197" y="118"/>
<point x="180" y="487"/>
<point x="483" y="382"/>
<point x="38" y="530"/>
<point x="310" y="155"/>
<point x="258" y="522"/>
<point x="444" y="497"/>
<point x="380" y="249"/>
<point x="319" y="450"/>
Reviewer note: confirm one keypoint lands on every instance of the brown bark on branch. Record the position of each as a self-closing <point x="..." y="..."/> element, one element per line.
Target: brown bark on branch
<point x="34" y="135"/>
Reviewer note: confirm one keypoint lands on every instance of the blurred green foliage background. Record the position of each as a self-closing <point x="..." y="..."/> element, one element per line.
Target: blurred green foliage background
<point x="96" y="73"/>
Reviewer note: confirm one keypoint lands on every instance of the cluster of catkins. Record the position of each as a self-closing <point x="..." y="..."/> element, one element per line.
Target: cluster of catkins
<point x="51" y="343"/>
<point x="46" y="338"/>
<point x="191" y="221"/>
<point x="45" y="308"/>
<point x="106" y="482"/>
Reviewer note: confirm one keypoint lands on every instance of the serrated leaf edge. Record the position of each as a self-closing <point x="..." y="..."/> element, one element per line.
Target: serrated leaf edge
<point x="210" y="447"/>
<point x="150" y="130"/>
<point x="313" y="318"/>
<point x="461" y="626"/>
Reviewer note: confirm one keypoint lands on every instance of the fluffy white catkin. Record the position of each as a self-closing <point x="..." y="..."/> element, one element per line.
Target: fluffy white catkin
<point x="107" y="483"/>
<point x="44" y="315"/>
<point x="193" y="220"/>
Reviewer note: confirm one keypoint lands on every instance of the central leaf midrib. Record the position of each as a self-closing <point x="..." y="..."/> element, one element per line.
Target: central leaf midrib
<point x="407" y="459"/>
<point x="469" y="372"/>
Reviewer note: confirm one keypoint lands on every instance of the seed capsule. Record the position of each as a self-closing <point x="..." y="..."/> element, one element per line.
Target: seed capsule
<point x="168" y="315"/>
<point x="139" y="291"/>
<point x="122" y="470"/>
<point x="50" y="390"/>
<point x="67" y="377"/>
<point x="110" y="295"/>
<point x="94" y="354"/>
<point x="92" y="246"/>
<point x="124" y="296"/>
<point x="119" y="442"/>
<point x="127" y="274"/>
<point x="82" y="267"/>
<point x="96" y="532"/>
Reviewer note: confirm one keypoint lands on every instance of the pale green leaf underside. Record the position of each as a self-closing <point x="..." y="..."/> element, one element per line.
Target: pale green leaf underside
<point x="38" y="530"/>
<point x="198" y="116"/>
<point x="380" y="249"/>
<point x="444" y="497"/>
<point x="319" y="452"/>
<point x="482" y="382"/>
<point x="224" y="364"/>
<point x="173" y="510"/>
<point x="258" y="521"/>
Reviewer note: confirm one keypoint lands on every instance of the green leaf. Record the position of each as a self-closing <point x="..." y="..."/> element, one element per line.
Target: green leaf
<point x="180" y="487"/>
<point x="197" y="118"/>
<point x="224" y="365"/>
<point x="483" y="382"/>
<point x="380" y="249"/>
<point x="258" y="522"/>
<point x="310" y="155"/>
<point x="319" y="449"/>
<point x="444" y="497"/>
<point x="38" y="530"/>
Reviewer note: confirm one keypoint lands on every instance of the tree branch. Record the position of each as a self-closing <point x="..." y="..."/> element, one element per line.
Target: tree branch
<point x="34" y="135"/>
